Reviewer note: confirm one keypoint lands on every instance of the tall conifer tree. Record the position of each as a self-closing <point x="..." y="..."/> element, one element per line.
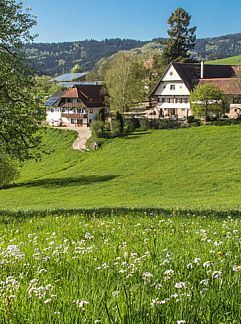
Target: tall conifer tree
<point x="182" y="39"/>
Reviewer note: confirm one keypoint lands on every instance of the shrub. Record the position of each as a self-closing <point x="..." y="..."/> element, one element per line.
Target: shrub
<point x="8" y="171"/>
<point x="131" y="125"/>
<point x="116" y="128"/>
<point x="97" y="128"/>
<point x="144" y="124"/>
<point x="120" y="119"/>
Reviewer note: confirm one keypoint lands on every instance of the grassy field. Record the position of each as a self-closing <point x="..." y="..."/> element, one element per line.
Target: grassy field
<point x="120" y="269"/>
<point x="234" y="60"/>
<point x="185" y="168"/>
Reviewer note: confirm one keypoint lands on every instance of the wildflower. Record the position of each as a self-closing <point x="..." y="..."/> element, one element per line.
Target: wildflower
<point x="196" y="260"/>
<point x="204" y="282"/>
<point x="237" y="268"/>
<point x="47" y="301"/>
<point x="81" y="303"/>
<point x="147" y="276"/>
<point x="207" y="264"/>
<point x="217" y="275"/>
<point x="169" y="272"/>
<point x="88" y="236"/>
<point x="116" y="293"/>
<point x="180" y="285"/>
<point x="181" y="322"/>
<point x="189" y="266"/>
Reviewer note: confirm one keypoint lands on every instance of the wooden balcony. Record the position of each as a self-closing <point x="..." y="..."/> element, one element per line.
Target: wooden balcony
<point x="74" y="116"/>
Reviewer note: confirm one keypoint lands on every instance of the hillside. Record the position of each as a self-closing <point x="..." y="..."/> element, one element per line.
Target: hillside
<point x="184" y="168"/>
<point x="56" y="58"/>
<point x="234" y="60"/>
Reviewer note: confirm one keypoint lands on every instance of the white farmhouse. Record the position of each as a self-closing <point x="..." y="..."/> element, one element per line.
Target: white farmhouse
<point x="172" y="92"/>
<point x="78" y="105"/>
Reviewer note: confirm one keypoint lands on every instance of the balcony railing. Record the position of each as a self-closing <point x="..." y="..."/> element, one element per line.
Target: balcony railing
<point x="74" y="116"/>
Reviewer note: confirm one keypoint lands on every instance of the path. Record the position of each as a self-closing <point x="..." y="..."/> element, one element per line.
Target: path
<point x="83" y="134"/>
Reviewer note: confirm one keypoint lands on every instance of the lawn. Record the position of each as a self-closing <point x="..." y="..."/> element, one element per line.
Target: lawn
<point x="234" y="60"/>
<point x="196" y="168"/>
<point x="120" y="269"/>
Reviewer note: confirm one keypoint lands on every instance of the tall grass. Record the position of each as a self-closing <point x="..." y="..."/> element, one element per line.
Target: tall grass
<point x="120" y="269"/>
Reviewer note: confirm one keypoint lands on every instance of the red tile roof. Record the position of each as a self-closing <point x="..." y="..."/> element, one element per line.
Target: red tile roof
<point x="70" y="93"/>
<point x="229" y="86"/>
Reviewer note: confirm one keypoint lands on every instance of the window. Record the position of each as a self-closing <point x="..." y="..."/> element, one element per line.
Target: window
<point x="163" y="100"/>
<point x="172" y="87"/>
<point x="91" y="111"/>
<point x="185" y="100"/>
<point x="171" y="100"/>
<point x="168" y="100"/>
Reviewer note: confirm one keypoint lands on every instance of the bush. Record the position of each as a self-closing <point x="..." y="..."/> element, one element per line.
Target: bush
<point x="131" y="125"/>
<point x="8" y="171"/>
<point x="97" y="128"/>
<point x="144" y="124"/>
<point x="116" y="128"/>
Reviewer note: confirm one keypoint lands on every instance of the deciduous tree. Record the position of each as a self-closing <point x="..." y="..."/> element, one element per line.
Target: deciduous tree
<point x="124" y="81"/>
<point x="207" y="101"/>
<point x="20" y="110"/>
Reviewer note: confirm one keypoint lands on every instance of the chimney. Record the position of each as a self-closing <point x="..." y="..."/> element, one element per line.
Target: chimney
<point x="202" y="70"/>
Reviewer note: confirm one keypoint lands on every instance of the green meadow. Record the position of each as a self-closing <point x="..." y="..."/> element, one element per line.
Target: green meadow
<point x="120" y="269"/>
<point x="195" y="168"/>
<point x="234" y="60"/>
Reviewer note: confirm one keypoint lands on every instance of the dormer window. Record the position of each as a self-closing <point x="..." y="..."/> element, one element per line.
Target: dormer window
<point x="172" y="87"/>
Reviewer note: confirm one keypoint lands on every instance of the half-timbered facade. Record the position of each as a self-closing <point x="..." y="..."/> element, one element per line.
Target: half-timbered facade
<point x="172" y="92"/>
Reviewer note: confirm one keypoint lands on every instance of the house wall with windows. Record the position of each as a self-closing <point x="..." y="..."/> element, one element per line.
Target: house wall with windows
<point x="172" y="92"/>
<point x="79" y="105"/>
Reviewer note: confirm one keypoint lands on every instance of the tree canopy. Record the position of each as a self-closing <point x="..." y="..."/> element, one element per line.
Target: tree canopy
<point x="207" y="101"/>
<point x="124" y="81"/>
<point x="20" y="109"/>
<point x="181" y="40"/>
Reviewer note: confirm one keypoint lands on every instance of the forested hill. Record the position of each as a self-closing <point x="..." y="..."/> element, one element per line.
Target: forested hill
<point x="56" y="58"/>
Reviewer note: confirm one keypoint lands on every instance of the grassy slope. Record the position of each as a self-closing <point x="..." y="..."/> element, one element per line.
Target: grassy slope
<point x="185" y="168"/>
<point x="234" y="60"/>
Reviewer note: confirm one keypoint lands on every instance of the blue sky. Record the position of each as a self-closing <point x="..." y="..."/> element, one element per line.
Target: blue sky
<point x="65" y="20"/>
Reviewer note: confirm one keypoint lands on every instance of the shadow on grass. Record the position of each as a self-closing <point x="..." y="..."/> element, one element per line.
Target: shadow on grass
<point x="63" y="182"/>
